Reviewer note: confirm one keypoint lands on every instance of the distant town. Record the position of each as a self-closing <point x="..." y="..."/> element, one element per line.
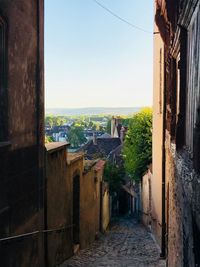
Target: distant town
<point x="80" y="126"/>
<point x="115" y="111"/>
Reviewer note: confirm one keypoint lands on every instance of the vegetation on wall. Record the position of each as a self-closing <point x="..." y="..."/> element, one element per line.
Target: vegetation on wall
<point x="48" y="139"/>
<point x="137" y="150"/>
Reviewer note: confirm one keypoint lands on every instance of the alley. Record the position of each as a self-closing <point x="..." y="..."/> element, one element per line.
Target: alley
<point x="126" y="244"/>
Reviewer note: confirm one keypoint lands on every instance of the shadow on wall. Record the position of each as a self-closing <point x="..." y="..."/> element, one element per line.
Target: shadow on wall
<point x="75" y="202"/>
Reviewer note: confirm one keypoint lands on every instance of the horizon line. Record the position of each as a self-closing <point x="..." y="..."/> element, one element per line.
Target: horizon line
<point x="94" y="107"/>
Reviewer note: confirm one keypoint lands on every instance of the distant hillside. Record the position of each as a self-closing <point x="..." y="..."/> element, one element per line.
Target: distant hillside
<point x="92" y="111"/>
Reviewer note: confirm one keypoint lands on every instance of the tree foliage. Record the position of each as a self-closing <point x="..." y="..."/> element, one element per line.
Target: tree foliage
<point x="76" y="136"/>
<point x="48" y="139"/>
<point x="114" y="175"/>
<point x="51" y="120"/>
<point x="108" y="127"/>
<point x="138" y="144"/>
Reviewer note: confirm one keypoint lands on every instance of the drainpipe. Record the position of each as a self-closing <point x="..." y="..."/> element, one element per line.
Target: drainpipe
<point x="163" y="240"/>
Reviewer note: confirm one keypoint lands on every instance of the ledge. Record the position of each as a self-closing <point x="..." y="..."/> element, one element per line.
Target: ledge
<point x="55" y="146"/>
<point x="88" y="165"/>
<point x="73" y="157"/>
<point x="5" y="144"/>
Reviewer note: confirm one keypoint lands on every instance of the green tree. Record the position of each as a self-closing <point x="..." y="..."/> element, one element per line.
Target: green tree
<point x="76" y="136"/>
<point x="114" y="175"/>
<point x="48" y="139"/>
<point x="49" y="120"/>
<point x="108" y="127"/>
<point x="137" y="150"/>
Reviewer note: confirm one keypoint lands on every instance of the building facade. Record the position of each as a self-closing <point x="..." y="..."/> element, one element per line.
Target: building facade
<point x="21" y="133"/>
<point x="176" y="134"/>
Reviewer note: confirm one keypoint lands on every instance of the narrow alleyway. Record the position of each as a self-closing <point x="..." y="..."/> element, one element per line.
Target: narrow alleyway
<point x="126" y="244"/>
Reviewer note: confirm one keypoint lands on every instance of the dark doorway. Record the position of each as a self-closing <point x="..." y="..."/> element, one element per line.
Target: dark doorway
<point x="196" y="247"/>
<point x="76" y="209"/>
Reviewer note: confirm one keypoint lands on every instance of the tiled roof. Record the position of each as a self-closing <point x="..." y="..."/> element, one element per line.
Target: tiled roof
<point x="115" y="156"/>
<point x="105" y="135"/>
<point x="101" y="149"/>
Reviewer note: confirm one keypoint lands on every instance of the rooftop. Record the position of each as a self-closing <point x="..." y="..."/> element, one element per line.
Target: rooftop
<point x="72" y="157"/>
<point x="101" y="149"/>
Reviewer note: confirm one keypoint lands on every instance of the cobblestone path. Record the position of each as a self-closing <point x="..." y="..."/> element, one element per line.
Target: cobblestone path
<point x="126" y="244"/>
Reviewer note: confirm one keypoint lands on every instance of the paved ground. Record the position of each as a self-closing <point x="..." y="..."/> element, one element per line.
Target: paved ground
<point x="126" y="244"/>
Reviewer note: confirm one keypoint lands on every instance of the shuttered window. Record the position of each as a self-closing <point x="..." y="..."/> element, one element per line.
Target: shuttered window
<point x="193" y="79"/>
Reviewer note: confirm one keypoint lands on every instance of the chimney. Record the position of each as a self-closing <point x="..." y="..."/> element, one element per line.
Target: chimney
<point x="94" y="138"/>
<point x="113" y="123"/>
<point x="122" y="134"/>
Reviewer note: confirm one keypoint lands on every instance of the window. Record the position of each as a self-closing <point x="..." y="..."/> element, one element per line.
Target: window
<point x="193" y="80"/>
<point x="3" y="81"/>
<point x="181" y="89"/>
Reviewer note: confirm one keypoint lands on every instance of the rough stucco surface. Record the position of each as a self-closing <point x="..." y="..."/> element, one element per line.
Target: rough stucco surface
<point x="146" y="198"/>
<point x="175" y="20"/>
<point x="59" y="207"/>
<point x="184" y="194"/>
<point x="89" y="208"/>
<point x="174" y="225"/>
<point x="157" y="153"/>
<point x="22" y="168"/>
<point x="105" y="207"/>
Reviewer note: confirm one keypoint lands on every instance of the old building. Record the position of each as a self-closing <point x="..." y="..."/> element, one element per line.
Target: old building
<point x="176" y="164"/>
<point x="50" y="204"/>
<point x="100" y="147"/>
<point x="21" y="133"/>
<point x="77" y="204"/>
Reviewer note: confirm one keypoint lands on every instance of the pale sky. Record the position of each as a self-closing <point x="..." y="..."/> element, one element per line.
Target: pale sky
<point x="92" y="59"/>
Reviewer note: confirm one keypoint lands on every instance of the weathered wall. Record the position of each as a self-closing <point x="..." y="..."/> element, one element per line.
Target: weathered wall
<point x="90" y="196"/>
<point x="183" y="209"/>
<point x="89" y="207"/>
<point x="146" y="198"/>
<point x="58" y="205"/>
<point x="75" y="168"/>
<point x="157" y="153"/>
<point x="179" y="26"/>
<point x="105" y="207"/>
<point x="174" y="214"/>
<point x="21" y="168"/>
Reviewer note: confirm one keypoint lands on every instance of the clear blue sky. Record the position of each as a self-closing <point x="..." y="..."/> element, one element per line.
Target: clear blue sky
<point x="92" y="59"/>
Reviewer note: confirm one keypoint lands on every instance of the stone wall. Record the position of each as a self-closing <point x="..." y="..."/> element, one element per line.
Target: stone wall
<point x="183" y="223"/>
